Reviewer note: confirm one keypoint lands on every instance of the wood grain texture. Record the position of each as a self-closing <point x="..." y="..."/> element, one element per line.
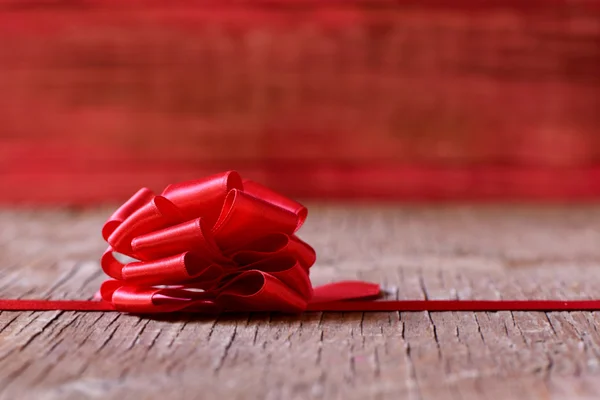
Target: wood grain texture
<point x="466" y="252"/>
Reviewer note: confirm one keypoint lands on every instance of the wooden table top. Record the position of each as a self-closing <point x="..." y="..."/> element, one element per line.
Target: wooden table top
<point x="416" y="252"/>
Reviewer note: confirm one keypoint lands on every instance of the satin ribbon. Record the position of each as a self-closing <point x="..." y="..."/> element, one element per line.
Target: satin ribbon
<point x="341" y="306"/>
<point x="220" y="244"/>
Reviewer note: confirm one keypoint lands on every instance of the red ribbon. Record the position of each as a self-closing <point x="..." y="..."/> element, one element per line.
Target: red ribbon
<point x="213" y="245"/>
<point x="220" y="244"/>
<point x="361" y="306"/>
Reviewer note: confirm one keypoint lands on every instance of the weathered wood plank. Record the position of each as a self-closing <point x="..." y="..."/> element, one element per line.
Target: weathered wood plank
<point x="483" y="252"/>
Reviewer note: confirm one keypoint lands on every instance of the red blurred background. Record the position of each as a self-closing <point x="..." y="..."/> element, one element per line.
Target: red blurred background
<point x="317" y="99"/>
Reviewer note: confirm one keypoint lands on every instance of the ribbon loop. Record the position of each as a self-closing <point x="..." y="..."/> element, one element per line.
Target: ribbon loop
<point x="286" y="269"/>
<point x="276" y="244"/>
<point x="245" y="218"/>
<point x="110" y="265"/>
<point x="171" y="270"/>
<point x="263" y="192"/>
<point x="155" y="214"/>
<point x="203" y="197"/>
<point x="136" y="201"/>
<point x="258" y="291"/>
<point x="191" y="235"/>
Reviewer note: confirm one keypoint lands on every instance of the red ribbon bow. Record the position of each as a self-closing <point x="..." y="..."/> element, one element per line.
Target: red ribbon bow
<point x="220" y="244"/>
<point x="211" y="245"/>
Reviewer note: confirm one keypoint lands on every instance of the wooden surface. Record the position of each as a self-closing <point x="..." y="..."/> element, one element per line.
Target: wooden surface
<point x="483" y="252"/>
<point x="315" y="98"/>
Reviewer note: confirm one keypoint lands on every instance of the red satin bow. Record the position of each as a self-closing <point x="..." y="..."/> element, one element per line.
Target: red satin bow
<point x="211" y="245"/>
<point x="219" y="244"/>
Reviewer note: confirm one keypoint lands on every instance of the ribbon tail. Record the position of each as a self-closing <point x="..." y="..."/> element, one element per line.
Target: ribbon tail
<point x="349" y="306"/>
<point x="345" y="290"/>
<point x="53" y="305"/>
<point x="457" y="305"/>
